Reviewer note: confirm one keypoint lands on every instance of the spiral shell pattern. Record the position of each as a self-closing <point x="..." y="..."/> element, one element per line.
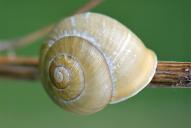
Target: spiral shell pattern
<point x="90" y="60"/>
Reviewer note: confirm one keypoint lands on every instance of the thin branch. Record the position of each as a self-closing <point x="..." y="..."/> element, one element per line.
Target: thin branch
<point x="172" y="74"/>
<point x="24" y="72"/>
<point x="19" y="61"/>
<point x="32" y="37"/>
<point x="19" y="68"/>
<point x="168" y="74"/>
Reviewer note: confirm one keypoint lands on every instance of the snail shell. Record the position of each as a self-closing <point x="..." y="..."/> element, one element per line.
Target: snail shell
<point x="90" y="60"/>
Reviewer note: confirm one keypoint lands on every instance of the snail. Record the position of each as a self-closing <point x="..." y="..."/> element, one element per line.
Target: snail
<point x="91" y="60"/>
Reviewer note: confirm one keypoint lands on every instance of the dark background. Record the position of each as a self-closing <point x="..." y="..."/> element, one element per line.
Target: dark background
<point x="164" y="26"/>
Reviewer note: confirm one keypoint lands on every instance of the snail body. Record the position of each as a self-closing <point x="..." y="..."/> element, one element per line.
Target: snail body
<point x="90" y="60"/>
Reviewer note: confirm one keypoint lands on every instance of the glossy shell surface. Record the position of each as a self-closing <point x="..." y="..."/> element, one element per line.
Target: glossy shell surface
<point x="90" y="60"/>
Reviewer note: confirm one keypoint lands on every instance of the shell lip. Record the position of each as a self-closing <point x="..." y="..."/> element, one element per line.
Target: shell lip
<point x="151" y="75"/>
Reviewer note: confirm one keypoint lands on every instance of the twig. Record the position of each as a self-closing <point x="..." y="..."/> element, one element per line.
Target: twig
<point x="172" y="74"/>
<point x="24" y="72"/>
<point x="19" y="68"/>
<point x="168" y="74"/>
<point x="32" y="37"/>
<point x="19" y="61"/>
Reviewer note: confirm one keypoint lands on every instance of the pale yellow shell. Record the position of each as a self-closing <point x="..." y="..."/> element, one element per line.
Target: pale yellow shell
<point x="90" y="60"/>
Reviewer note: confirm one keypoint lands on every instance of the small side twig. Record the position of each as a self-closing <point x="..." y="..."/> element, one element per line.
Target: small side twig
<point x="32" y="37"/>
<point x="88" y="6"/>
<point x="168" y="74"/>
<point x="26" y="40"/>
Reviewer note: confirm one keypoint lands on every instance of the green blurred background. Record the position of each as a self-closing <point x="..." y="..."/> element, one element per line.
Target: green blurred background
<point x="164" y="26"/>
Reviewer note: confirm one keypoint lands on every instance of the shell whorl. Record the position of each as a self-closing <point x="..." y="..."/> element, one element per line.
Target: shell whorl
<point x="79" y="88"/>
<point x="91" y="60"/>
<point x="67" y="76"/>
